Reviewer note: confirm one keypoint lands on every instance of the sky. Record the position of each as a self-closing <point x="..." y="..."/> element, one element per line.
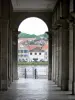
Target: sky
<point x="33" y="25"/>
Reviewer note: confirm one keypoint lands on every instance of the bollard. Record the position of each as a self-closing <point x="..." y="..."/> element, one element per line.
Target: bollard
<point x="25" y="73"/>
<point x="35" y="74"/>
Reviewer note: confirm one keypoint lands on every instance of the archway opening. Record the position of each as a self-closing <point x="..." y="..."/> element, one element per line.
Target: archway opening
<point x="33" y="49"/>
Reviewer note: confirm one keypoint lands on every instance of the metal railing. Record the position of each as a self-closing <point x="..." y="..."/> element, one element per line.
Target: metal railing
<point x="35" y="73"/>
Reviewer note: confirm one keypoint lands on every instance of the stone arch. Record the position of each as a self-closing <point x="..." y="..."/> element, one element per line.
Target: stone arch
<point x="18" y="17"/>
<point x="37" y="19"/>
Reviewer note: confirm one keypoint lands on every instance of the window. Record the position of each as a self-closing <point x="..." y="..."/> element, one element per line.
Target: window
<point x="19" y="59"/>
<point x="23" y="60"/>
<point x="25" y="51"/>
<point x="18" y="51"/>
<point x="25" y="55"/>
<point x="35" y="59"/>
<point x="21" y="55"/>
<point x="21" y="51"/>
<point x="46" y="57"/>
<point x="30" y="53"/>
<point x="45" y="53"/>
<point x="35" y="53"/>
<point x="39" y="53"/>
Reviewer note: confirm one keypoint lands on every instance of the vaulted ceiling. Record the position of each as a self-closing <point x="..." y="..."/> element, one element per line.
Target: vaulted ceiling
<point x="33" y="5"/>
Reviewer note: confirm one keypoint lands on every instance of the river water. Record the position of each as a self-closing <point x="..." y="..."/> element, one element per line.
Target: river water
<point x="33" y="71"/>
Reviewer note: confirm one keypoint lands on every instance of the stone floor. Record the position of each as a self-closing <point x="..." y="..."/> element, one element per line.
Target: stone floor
<point x="35" y="89"/>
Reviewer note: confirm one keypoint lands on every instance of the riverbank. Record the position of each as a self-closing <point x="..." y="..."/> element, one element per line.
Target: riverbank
<point x="32" y="63"/>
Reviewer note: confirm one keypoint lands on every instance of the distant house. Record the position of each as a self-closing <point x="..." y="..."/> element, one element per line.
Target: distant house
<point x="40" y="42"/>
<point x="23" y="53"/>
<point x="33" y="52"/>
<point x="45" y="49"/>
<point x="25" y="40"/>
<point x="36" y="54"/>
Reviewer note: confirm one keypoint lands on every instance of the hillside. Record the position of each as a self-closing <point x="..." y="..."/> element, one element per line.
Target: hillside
<point x="25" y="35"/>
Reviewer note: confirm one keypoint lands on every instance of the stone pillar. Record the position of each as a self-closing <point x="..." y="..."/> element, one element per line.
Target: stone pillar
<point x="55" y="53"/>
<point x="57" y="67"/>
<point x="14" y="55"/>
<point x="70" y="55"/>
<point x="4" y="55"/>
<point x="5" y="14"/>
<point x="0" y="56"/>
<point x="72" y="47"/>
<point x="60" y="54"/>
<point x="11" y="69"/>
<point x="50" y="58"/>
<point x="54" y="57"/>
<point x="73" y="81"/>
<point x="10" y="57"/>
<point x="53" y="69"/>
<point x="65" y="56"/>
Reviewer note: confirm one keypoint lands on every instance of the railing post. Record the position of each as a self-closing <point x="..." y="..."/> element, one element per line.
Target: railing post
<point x="25" y="73"/>
<point x="35" y="73"/>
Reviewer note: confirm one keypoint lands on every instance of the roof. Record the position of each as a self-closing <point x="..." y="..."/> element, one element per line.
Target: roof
<point x="22" y="47"/>
<point x="45" y="47"/>
<point x="31" y="47"/>
<point x="21" y="40"/>
<point x="37" y="49"/>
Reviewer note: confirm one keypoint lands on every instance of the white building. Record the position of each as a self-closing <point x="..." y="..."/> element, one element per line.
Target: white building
<point x="45" y="49"/>
<point x="23" y="53"/>
<point x="36" y="54"/>
<point x="32" y="53"/>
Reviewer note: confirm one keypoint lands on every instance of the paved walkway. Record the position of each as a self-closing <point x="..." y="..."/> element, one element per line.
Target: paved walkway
<point x="31" y="89"/>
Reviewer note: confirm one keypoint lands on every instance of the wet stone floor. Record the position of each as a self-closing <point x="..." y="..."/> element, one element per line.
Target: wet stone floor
<point x="35" y="89"/>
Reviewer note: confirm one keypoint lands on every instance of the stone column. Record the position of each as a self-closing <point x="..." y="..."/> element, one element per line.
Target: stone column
<point x="73" y="81"/>
<point x="60" y="54"/>
<point x="65" y="56"/>
<point x="10" y="57"/>
<point x="72" y="47"/>
<point x="53" y="72"/>
<point x="57" y="67"/>
<point x="11" y="69"/>
<point x="5" y="13"/>
<point x="14" y="55"/>
<point x="54" y="56"/>
<point x="0" y="56"/>
<point x="50" y="58"/>
<point x="70" y="55"/>
<point x="4" y="55"/>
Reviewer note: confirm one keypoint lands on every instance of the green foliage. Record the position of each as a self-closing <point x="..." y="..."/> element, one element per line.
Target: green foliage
<point x="33" y="63"/>
<point x="25" y="35"/>
<point x="31" y="42"/>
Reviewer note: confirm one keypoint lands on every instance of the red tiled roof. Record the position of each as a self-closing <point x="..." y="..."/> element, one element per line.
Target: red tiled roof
<point x="23" y="40"/>
<point x="45" y="47"/>
<point x="31" y="47"/>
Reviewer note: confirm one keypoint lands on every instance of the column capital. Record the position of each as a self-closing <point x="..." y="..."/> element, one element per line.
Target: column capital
<point x="15" y="31"/>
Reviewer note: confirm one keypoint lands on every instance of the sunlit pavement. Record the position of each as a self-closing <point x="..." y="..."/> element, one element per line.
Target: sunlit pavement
<point x="35" y="89"/>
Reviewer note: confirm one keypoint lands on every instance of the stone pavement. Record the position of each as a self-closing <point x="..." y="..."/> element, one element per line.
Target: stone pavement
<point x="35" y="89"/>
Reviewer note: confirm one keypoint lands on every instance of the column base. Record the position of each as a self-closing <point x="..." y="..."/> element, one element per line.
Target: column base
<point x="64" y="85"/>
